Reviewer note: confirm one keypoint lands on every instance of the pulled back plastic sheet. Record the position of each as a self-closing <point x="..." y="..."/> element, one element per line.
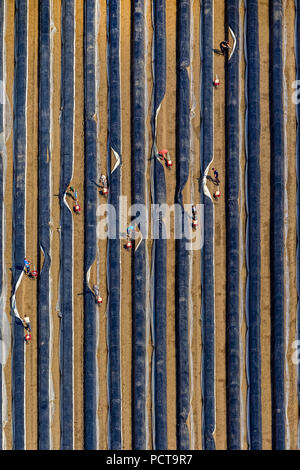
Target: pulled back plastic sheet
<point x="66" y="253"/>
<point x="207" y="265"/>
<point x="43" y="226"/>
<point x="181" y="253"/>
<point x="90" y="239"/>
<point x="276" y="225"/>
<point x="252" y="132"/>
<point x="159" y="250"/>
<point x="232" y="233"/>
<point x="113" y="252"/>
<point x="139" y="255"/>
<point x="19" y="175"/>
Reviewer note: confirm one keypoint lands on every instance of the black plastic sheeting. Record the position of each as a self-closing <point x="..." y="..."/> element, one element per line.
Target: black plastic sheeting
<point x="159" y="250"/>
<point x="232" y="233"/>
<point x="113" y="250"/>
<point x="139" y="255"/>
<point x="1" y="188"/>
<point x="276" y="224"/>
<point x="252" y="132"/>
<point x="297" y="56"/>
<point x="159" y="253"/>
<point x="43" y="227"/>
<point x="66" y="222"/>
<point x="90" y="238"/>
<point x="181" y="253"/>
<point x="207" y="265"/>
<point x="19" y="175"/>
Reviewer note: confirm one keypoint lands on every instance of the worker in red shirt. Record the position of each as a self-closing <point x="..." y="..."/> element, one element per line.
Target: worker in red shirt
<point x="27" y="337"/>
<point x="217" y="194"/>
<point x="216" y="82"/>
<point x="98" y="297"/>
<point x="34" y="274"/>
<point x="77" y="208"/>
<point x="164" y="155"/>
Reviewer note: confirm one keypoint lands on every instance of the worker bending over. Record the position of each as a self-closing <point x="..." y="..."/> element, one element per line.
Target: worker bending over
<point x="164" y="155"/>
<point x="224" y="46"/>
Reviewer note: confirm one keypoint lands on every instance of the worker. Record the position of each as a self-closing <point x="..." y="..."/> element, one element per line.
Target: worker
<point x="195" y="218"/>
<point x="75" y="197"/>
<point x="27" y="323"/>
<point x="195" y="223"/>
<point x="130" y="231"/>
<point x="98" y="297"/>
<point x="34" y="274"/>
<point x="216" y="81"/>
<point x="164" y="155"/>
<point x="27" y="337"/>
<point x="217" y="194"/>
<point x="169" y="162"/>
<point x="103" y="180"/>
<point x="128" y="245"/>
<point x="216" y="175"/>
<point x="71" y="189"/>
<point x="224" y="46"/>
<point x="26" y="266"/>
<point x="77" y="208"/>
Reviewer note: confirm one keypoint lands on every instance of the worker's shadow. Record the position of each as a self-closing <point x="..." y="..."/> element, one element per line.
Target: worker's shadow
<point x="71" y="195"/>
<point x="96" y="184"/>
<point x="218" y="51"/>
<point x="200" y="181"/>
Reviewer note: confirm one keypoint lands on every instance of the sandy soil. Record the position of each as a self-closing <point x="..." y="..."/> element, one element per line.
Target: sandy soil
<point x="196" y="404"/>
<point x="28" y="286"/>
<point x="220" y="233"/>
<point x="263" y="12"/>
<point x="126" y="259"/>
<point x="166" y="138"/>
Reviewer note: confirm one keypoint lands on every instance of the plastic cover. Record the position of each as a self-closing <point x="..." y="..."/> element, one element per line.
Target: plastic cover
<point x="181" y="253"/>
<point x="252" y="133"/>
<point x="66" y="222"/>
<point x="232" y="233"/>
<point x="276" y="225"/>
<point x="207" y="265"/>
<point x="43" y="225"/>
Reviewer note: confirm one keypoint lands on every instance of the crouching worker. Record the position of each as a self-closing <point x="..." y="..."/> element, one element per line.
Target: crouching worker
<point x="26" y="324"/>
<point x="128" y="245"/>
<point x="217" y="194"/>
<point x="98" y="297"/>
<point x="216" y="82"/>
<point x="27" y="337"/>
<point x="195" y="218"/>
<point x="76" y="208"/>
<point x="103" y="181"/>
<point x="164" y="155"/>
<point x="26" y="266"/>
<point x="224" y="46"/>
<point x="34" y="274"/>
